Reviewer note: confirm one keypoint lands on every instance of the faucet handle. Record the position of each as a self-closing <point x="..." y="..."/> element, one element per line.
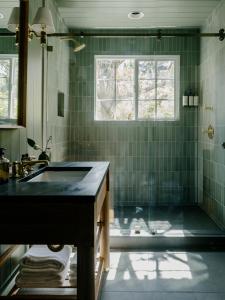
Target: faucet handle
<point x="17" y="169"/>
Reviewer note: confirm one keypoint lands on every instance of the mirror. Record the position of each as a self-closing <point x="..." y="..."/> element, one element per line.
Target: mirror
<point x="9" y="62"/>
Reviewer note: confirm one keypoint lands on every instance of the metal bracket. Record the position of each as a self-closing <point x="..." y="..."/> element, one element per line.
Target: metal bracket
<point x="159" y="35"/>
<point x="221" y="34"/>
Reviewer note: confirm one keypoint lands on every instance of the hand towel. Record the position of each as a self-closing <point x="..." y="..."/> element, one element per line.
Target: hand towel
<point x="41" y="278"/>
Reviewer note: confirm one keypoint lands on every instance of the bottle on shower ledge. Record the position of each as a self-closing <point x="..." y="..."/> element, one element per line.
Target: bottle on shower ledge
<point x="190" y="97"/>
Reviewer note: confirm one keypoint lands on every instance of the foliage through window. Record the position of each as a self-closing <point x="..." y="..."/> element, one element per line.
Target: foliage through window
<point x="8" y="86"/>
<point x="136" y="88"/>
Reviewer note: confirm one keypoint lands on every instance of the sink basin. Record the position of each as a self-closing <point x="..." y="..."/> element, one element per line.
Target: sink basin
<point x="60" y="176"/>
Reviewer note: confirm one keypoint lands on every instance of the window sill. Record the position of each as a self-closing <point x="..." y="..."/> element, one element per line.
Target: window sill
<point x="8" y="126"/>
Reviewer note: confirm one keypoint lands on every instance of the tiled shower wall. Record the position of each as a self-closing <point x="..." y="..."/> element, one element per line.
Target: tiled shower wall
<point x="152" y="163"/>
<point x="211" y="152"/>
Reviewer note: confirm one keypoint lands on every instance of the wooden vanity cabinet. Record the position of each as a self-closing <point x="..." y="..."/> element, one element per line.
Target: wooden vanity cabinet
<point x="58" y="220"/>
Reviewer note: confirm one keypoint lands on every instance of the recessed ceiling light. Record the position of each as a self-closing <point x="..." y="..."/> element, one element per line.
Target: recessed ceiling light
<point x="1" y="16"/>
<point x="136" y="15"/>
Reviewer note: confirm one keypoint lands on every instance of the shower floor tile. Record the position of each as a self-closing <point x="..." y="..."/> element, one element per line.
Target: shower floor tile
<point x="162" y="220"/>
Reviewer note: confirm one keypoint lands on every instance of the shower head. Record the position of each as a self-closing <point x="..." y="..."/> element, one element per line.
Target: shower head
<point x="77" y="45"/>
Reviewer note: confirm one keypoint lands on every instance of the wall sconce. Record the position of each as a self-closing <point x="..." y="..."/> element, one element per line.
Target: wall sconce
<point x="41" y="25"/>
<point x="14" y="22"/>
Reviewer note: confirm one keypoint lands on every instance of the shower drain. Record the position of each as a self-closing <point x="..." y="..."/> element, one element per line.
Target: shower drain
<point x="153" y="231"/>
<point x="137" y="230"/>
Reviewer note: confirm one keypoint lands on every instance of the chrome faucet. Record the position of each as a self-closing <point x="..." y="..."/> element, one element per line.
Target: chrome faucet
<point x="23" y="168"/>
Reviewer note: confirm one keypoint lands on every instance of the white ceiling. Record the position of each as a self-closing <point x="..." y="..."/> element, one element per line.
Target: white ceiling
<point x="5" y="9"/>
<point x="113" y="13"/>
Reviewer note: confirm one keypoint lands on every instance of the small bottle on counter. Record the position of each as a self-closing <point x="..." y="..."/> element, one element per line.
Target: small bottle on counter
<point x="4" y="167"/>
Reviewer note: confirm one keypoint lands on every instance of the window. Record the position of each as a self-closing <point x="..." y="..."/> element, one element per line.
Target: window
<point x="8" y="86"/>
<point x="136" y="88"/>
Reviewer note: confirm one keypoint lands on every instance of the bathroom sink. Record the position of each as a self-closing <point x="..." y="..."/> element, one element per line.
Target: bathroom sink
<point x="60" y="176"/>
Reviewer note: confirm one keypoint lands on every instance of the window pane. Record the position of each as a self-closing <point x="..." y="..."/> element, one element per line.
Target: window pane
<point x="105" y="69"/>
<point x="165" y="109"/>
<point x="125" y="90"/>
<point x="118" y="88"/>
<point x="146" y="109"/>
<point x="105" y="89"/>
<point x="165" y="89"/>
<point x="4" y="68"/>
<point x="146" y="69"/>
<point x="146" y="90"/>
<point x="165" y="69"/>
<point x="125" y="69"/>
<point x="4" y="108"/>
<point x="4" y="87"/>
<point x="105" y="110"/>
<point x="124" y="110"/>
<point x="14" y="92"/>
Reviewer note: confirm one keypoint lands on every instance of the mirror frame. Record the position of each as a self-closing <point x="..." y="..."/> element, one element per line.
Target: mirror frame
<point x="23" y="60"/>
<point x="22" y="70"/>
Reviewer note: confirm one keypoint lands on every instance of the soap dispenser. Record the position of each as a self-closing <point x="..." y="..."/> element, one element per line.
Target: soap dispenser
<point x="4" y="167"/>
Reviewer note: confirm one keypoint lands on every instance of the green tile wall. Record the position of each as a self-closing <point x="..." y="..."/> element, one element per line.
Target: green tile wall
<point x="7" y="44"/>
<point x="211" y="153"/>
<point x="151" y="162"/>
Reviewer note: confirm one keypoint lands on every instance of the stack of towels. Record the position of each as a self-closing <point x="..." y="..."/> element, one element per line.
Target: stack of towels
<point x="40" y="267"/>
<point x="73" y="270"/>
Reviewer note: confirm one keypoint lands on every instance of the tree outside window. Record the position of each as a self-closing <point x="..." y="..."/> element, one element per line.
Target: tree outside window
<point x="136" y="88"/>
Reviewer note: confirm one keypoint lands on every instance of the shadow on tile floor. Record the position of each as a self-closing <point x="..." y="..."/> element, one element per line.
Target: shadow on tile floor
<point x="165" y="275"/>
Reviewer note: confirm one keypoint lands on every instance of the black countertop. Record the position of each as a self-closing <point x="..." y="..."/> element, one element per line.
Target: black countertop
<point x="88" y="187"/>
<point x="53" y="212"/>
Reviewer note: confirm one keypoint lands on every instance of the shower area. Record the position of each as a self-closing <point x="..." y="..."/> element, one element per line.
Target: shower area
<point x="156" y="166"/>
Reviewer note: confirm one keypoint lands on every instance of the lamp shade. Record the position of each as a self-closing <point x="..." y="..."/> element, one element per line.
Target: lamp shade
<point x="14" y="20"/>
<point x="43" y="21"/>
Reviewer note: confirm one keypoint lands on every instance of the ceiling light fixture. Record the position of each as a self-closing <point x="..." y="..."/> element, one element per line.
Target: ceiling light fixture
<point x="41" y="25"/>
<point x="136" y="15"/>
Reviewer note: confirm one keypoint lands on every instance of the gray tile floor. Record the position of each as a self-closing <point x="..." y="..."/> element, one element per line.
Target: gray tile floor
<point x="165" y="276"/>
<point x="161" y="220"/>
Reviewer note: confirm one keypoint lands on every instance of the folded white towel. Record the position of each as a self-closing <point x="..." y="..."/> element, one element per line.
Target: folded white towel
<point x="41" y="278"/>
<point x="72" y="275"/>
<point x="41" y="284"/>
<point x="40" y="257"/>
<point x="73" y="262"/>
<point x="73" y="278"/>
<point x="73" y="282"/>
